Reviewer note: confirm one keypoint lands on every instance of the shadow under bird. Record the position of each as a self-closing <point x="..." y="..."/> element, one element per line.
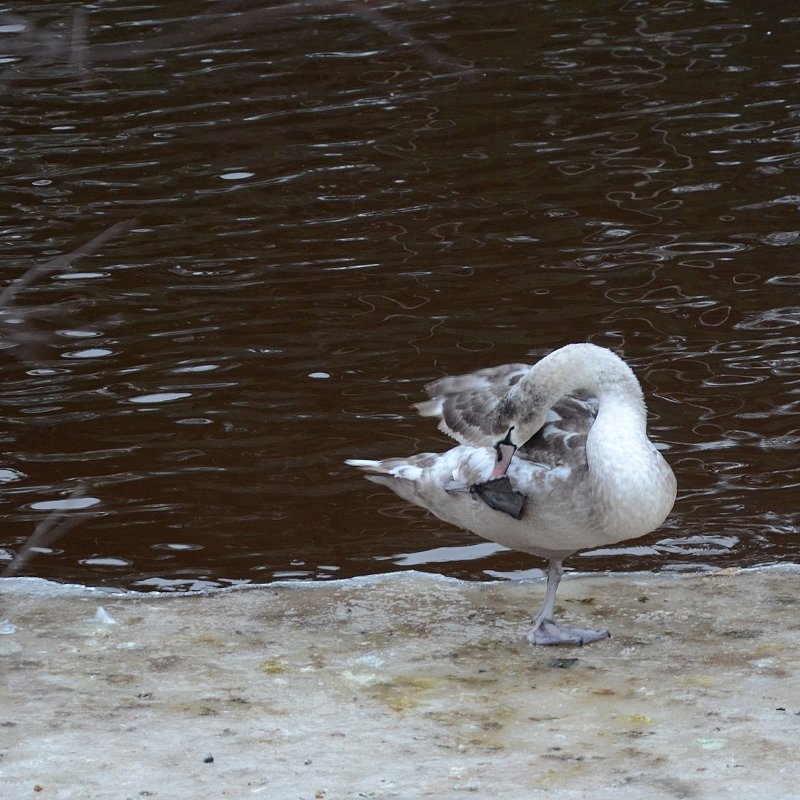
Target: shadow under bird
<point x="553" y="458"/>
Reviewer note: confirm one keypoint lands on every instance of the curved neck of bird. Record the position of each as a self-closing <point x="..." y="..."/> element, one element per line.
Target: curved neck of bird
<point x="573" y="368"/>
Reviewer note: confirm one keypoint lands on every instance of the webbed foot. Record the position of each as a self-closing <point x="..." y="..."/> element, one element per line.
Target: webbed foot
<point x="546" y="631"/>
<point x="500" y="495"/>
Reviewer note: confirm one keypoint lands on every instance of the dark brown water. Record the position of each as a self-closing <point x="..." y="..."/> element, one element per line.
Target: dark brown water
<point x="335" y="205"/>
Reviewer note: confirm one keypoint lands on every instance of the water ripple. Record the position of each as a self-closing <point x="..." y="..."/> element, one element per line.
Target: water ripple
<point x="321" y="230"/>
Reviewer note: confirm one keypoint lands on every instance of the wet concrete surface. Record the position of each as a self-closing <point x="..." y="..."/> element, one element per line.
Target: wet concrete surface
<point x="403" y="686"/>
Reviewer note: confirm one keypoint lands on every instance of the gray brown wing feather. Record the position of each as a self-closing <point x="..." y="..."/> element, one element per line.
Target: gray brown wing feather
<point x="471" y="410"/>
<point x="562" y="439"/>
<point x="471" y="407"/>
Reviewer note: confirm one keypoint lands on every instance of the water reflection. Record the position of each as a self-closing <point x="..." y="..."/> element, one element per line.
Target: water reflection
<point x="320" y="230"/>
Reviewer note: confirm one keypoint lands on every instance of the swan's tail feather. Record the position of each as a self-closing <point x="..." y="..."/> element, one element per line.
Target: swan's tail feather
<point x="401" y="475"/>
<point x="383" y="471"/>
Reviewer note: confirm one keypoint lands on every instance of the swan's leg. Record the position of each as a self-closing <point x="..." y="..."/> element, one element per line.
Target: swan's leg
<point x="545" y="630"/>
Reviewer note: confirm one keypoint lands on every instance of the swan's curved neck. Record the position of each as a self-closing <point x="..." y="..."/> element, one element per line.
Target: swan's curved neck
<point x="573" y="368"/>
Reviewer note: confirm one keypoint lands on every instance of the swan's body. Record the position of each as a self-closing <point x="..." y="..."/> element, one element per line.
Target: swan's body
<point x="579" y="454"/>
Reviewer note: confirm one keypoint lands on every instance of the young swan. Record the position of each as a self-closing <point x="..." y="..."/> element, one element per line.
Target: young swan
<point x="554" y="458"/>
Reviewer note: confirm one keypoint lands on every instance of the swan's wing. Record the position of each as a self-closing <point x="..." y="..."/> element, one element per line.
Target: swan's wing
<point x="466" y="404"/>
<point x="562" y="438"/>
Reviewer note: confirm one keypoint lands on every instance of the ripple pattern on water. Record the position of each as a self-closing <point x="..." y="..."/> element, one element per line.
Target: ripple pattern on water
<point x="313" y="232"/>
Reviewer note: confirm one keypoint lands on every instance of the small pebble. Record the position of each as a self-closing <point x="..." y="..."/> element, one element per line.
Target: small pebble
<point x="562" y="663"/>
<point x="209" y="759"/>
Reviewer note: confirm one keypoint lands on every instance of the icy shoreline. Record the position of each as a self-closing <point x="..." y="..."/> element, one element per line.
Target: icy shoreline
<point x="405" y="685"/>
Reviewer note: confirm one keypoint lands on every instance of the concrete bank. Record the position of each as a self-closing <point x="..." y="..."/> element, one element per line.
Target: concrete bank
<point x="403" y="686"/>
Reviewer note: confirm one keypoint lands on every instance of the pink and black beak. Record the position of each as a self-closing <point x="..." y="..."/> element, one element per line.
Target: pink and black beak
<point x="505" y="452"/>
<point x="497" y="492"/>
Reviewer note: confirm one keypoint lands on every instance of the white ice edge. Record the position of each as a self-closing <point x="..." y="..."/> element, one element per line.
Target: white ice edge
<point x="42" y="587"/>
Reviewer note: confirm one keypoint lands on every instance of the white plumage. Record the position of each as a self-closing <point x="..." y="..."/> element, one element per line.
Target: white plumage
<point x="588" y="472"/>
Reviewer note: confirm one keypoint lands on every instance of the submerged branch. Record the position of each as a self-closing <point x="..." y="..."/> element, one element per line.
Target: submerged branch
<point x="55" y="526"/>
<point x="225" y="19"/>
<point x="61" y="262"/>
<point x="27" y="339"/>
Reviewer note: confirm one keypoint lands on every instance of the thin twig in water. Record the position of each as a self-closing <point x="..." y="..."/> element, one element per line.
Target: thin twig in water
<point x="56" y="525"/>
<point x="28" y="341"/>
<point x="79" y="41"/>
<point x="61" y="262"/>
<point x="402" y="33"/>
<point x="224" y="19"/>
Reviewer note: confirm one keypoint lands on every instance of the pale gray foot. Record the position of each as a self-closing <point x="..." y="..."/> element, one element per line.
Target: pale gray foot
<point x="546" y="631"/>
